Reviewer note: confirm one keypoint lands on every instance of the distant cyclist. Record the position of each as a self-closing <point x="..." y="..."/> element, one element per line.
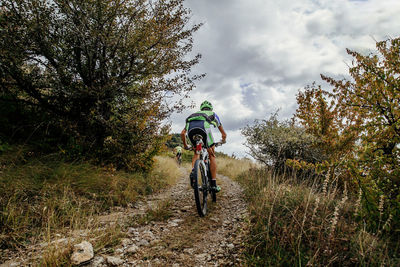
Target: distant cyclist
<point x="178" y="155"/>
<point x="200" y="123"/>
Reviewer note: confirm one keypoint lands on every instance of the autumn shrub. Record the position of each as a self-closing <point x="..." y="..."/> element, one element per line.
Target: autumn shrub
<point x="357" y="127"/>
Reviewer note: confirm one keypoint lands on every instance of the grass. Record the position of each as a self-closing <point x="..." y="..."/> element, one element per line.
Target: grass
<point x="161" y="212"/>
<point x="233" y="167"/>
<point x="103" y="239"/>
<point x="43" y="196"/>
<point x="305" y="223"/>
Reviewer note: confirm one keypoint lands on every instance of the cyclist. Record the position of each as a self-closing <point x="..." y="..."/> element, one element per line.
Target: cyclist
<point x="200" y="123"/>
<point x="178" y="151"/>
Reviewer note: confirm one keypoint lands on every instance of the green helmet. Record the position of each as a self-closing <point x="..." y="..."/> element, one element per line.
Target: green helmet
<point x="206" y="105"/>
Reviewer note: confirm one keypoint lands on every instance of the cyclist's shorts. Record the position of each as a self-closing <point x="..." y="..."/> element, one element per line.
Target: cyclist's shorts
<point x="179" y="154"/>
<point x="198" y="127"/>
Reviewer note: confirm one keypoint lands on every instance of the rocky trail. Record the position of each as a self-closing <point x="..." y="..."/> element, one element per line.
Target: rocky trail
<point x="165" y="230"/>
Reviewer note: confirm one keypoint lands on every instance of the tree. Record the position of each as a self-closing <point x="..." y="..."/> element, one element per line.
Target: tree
<point x="320" y="115"/>
<point x="373" y="97"/>
<point x="361" y="129"/>
<point x="174" y="141"/>
<point x="102" y="70"/>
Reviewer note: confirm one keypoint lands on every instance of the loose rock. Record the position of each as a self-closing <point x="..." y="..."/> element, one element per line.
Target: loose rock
<point x="114" y="261"/>
<point x="132" y="249"/>
<point x="82" y="253"/>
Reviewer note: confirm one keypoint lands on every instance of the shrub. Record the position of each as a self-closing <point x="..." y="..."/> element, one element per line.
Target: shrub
<point x="273" y="142"/>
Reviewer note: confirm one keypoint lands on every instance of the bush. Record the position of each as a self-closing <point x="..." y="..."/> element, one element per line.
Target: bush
<point x="273" y="142"/>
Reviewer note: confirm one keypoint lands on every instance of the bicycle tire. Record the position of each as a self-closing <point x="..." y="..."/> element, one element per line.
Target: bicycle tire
<point x="200" y="187"/>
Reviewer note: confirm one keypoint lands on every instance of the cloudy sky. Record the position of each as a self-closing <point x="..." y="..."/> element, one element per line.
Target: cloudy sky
<point x="258" y="53"/>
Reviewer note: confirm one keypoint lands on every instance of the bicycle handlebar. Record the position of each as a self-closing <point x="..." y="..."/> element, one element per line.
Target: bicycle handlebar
<point x="220" y="143"/>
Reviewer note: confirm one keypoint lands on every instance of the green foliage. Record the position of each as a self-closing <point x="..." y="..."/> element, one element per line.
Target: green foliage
<point x="187" y="156"/>
<point x="273" y="142"/>
<point x="4" y="146"/>
<point x="92" y="76"/>
<point x="174" y="141"/>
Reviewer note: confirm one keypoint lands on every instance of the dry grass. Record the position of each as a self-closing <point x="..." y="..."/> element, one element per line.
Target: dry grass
<point x="44" y="197"/>
<point x="167" y="168"/>
<point x="160" y="212"/>
<point x="233" y="167"/>
<point x="297" y="223"/>
<point x="103" y="238"/>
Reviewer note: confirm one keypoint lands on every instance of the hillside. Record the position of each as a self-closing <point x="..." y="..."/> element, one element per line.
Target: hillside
<point x="132" y="219"/>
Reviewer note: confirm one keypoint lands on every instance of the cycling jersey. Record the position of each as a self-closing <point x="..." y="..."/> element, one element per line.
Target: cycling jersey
<point x="210" y="117"/>
<point x="200" y="123"/>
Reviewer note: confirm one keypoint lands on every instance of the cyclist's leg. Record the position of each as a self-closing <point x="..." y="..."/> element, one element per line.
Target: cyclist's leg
<point x="211" y="151"/>
<point x="213" y="162"/>
<point x="194" y="158"/>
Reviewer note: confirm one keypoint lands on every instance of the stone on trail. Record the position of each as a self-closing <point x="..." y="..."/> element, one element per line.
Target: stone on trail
<point x="126" y="242"/>
<point x="132" y="249"/>
<point x="143" y="243"/>
<point x="172" y="224"/>
<point x="96" y="262"/>
<point x="214" y="220"/>
<point x="114" y="261"/>
<point x="82" y="253"/>
<point x="148" y="235"/>
<point x="186" y="208"/>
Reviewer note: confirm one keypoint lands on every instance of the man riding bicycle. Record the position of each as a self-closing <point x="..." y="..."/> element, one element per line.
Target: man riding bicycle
<point x="200" y="123"/>
<point x="178" y="151"/>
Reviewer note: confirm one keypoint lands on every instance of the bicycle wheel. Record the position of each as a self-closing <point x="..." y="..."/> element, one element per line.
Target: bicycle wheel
<point x="200" y="187"/>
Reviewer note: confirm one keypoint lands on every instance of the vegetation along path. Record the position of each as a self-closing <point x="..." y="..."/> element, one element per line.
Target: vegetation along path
<point x="167" y="231"/>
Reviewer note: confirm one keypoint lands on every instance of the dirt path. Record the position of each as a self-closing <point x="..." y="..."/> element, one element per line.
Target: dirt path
<point x="165" y="230"/>
<point x="184" y="239"/>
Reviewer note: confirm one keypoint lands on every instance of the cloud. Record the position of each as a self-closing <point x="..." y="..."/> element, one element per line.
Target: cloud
<point x="257" y="54"/>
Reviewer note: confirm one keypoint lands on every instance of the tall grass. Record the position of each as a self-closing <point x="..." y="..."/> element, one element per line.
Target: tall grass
<point x="233" y="167"/>
<point x="307" y="223"/>
<point x="44" y="195"/>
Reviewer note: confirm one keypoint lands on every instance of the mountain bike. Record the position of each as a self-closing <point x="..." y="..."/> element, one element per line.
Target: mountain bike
<point x="202" y="177"/>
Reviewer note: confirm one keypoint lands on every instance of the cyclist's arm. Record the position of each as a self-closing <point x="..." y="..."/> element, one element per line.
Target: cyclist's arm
<point x="221" y="129"/>
<point x="183" y="137"/>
